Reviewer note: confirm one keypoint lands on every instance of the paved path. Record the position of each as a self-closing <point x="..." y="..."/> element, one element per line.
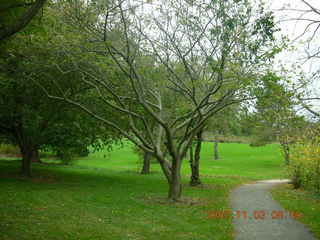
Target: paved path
<point x="259" y="217"/>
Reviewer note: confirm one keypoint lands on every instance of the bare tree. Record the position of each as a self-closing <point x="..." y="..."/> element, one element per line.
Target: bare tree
<point x="308" y="17"/>
<point x="311" y="16"/>
<point x="203" y="54"/>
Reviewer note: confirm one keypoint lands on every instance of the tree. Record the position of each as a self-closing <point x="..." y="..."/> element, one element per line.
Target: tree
<point x="275" y="117"/>
<point x="304" y="169"/>
<point x="30" y="120"/>
<point x="11" y="25"/>
<point x="310" y="16"/>
<point x="27" y="117"/>
<point x="190" y="45"/>
<point x="221" y="123"/>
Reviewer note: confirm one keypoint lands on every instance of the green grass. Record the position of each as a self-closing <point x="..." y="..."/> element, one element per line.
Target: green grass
<point x="103" y="196"/>
<point x="302" y="202"/>
<point x="238" y="160"/>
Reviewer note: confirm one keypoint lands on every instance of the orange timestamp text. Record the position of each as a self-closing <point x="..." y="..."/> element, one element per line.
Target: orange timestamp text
<point x="256" y="215"/>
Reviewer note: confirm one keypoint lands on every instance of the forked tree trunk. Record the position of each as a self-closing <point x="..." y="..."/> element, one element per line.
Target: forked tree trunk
<point x="216" y="150"/>
<point x="146" y="163"/>
<point x="195" y="161"/>
<point x="171" y="171"/>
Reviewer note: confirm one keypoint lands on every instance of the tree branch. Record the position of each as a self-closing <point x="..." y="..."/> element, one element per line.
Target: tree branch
<point x="23" y="21"/>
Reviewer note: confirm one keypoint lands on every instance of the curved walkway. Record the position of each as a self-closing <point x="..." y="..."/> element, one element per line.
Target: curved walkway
<point x="258" y="217"/>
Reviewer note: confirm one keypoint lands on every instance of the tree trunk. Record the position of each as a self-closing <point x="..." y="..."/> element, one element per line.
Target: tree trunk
<point x="166" y="168"/>
<point x="195" y="162"/>
<point x="26" y="153"/>
<point x="286" y="152"/>
<point x="35" y="157"/>
<point x="146" y="163"/>
<point x="175" y="187"/>
<point x="171" y="171"/>
<point x="287" y="157"/>
<point x="216" y="150"/>
<point x="296" y="178"/>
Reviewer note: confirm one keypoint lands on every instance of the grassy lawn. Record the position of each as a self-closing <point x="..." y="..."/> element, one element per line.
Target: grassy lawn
<point x="300" y="201"/>
<point x="103" y="196"/>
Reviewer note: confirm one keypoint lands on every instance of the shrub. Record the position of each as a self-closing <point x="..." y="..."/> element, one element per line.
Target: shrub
<point x="257" y="142"/>
<point x="66" y="156"/>
<point x="304" y="167"/>
<point x="8" y="149"/>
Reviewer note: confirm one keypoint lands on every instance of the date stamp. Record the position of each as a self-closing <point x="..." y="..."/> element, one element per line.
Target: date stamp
<point x="256" y="214"/>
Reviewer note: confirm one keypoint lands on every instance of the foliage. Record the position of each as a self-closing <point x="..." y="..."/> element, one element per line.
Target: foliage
<point x="16" y="15"/>
<point x="8" y="149"/>
<point x="304" y="169"/>
<point x="226" y="122"/>
<point x="275" y="117"/>
<point x="28" y="118"/>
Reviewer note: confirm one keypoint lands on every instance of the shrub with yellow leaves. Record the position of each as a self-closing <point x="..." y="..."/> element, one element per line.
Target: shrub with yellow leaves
<point x="304" y="167"/>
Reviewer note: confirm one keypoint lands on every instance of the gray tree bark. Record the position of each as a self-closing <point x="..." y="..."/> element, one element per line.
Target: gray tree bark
<point x="195" y="161"/>
<point x="175" y="186"/>
<point x="146" y="163"/>
<point x="216" y="150"/>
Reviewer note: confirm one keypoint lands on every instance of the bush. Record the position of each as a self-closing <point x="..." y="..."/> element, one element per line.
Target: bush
<point x="66" y="156"/>
<point x="258" y="143"/>
<point x="8" y="149"/>
<point x="304" y="167"/>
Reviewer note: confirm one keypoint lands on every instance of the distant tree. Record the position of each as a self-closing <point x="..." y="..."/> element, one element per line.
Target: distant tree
<point x="275" y="117"/>
<point x="309" y="15"/>
<point x="223" y="124"/>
